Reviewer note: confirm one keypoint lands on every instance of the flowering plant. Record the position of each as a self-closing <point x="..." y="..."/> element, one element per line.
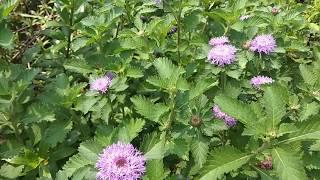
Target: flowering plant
<point x="161" y="89"/>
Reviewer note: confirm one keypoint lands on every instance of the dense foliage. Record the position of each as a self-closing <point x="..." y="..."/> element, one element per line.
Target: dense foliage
<point x="77" y="76"/>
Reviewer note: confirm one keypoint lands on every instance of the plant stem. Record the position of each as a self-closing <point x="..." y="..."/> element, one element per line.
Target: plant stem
<point x="70" y="29"/>
<point x="223" y="79"/>
<point x="179" y="31"/>
<point x="112" y="110"/>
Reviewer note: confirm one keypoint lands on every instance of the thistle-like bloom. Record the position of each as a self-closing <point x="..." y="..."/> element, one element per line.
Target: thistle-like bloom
<point x="101" y="84"/>
<point x="228" y="120"/>
<point x="120" y="162"/>
<point x="157" y="1"/>
<point x="219" y="40"/>
<point x="222" y="55"/>
<point x="257" y="81"/>
<point x="263" y="44"/>
<point x="244" y="17"/>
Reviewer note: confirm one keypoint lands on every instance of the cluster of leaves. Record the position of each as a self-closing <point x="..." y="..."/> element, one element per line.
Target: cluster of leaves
<point x="53" y="127"/>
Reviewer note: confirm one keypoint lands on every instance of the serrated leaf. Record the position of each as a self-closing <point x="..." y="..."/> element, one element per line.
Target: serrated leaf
<point x="155" y="170"/>
<point x="39" y="112"/>
<point x="274" y="103"/>
<point x="307" y="75"/>
<point x="309" y="109"/>
<point x="130" y="130"/>
<point x="149" y="109"/>
<point x="78" y="65"/>
<point x="288" y="164"/>
<point x="11" y="172"/>
<point x="199" y="150"/>
<point x="57" y="132"/>
<point x="88" y="154"/>
<point x="166" y="69"/>
<point x="307" y="130"/>
<point x="223" y="160"/>
<point x="157" y="151"/>
<point x="201" y="87"/>
<point x="315" y="146"/>
<point x="180" y="148"/>
<point x="85" y="103"/>
<point x="264" y="175"/>
<point x="238" y="110"/>
<point x="134" y="72"/>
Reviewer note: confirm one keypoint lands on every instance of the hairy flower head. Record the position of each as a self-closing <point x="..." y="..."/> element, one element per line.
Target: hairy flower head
<point x="228" y="120"/>
<point x="263" y="44"/>
<point x="101" y="84"/>
<point x="219" y="40"/>
<point x="257" y="81"/>
<point x="222" y="54"/>
<point x="120" y="162"/>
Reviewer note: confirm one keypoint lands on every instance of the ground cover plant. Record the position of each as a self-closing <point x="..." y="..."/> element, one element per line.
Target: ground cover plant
<point x="159" y="89"/>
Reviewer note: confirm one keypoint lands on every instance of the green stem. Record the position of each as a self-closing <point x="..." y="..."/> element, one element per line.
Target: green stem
<point x="258" y="64"/>
<point x="179" y="31"/>
<point x="70" y="29"/>
<point x="112" y="110"/>
<point x="223" y="79"/>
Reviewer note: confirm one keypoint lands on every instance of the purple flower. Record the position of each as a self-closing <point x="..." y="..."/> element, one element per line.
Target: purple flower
<point x="120" y="162"/>
<point x="157" y="1"/>
<point x="244" y="17"/>
<point x="257" y="81"/>
<point x="101" y="84"/>
<point x="263" y="44"/>
<point x="228" y="120"/>
<point x="222" y="55"/>
<point x="219" y="40"/>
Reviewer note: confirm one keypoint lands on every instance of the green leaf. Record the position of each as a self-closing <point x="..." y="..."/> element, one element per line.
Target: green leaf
<point x="155" y="170"/>
<point x="57" y="132"/>
<point x="274" y="100"/>
<point x="223" y="160"/>
<point x="264" y="175"/>
<point x="78" y="65"/>
<point x="166" y="69"/>
<point x="85" y="103"/>
<point x="180" y="148"/>
<point x="149" y="109"/>
<point x="5" y="37"/>
<point x="307" y="130"/>
<point x="288" y="165"/>
<point x="238" y="110"/>
<point x="39" y="112"/>
<point x="11" y="172"/>
<point x="309" y="109"/>
<point x="307" y="74"/>
<point x="134" y="72"/>
<point x="201" y="87"/>
<point x="130" y="130"/>
<point x="157" y="151"/>
<point x="199" y="150"/>
<point x="88" y="154"/>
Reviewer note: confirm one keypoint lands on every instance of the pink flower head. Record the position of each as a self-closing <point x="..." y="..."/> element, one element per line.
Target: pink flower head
<point x="263" y="44"/>
<point x="222" y="55"/>
<point x="101" y="84"/>
<point x="120" y="162"/>
<point x="219" y="40"/>
<point x="244" y="17"/>
<point x="257" y="81"/>
<point x="228" y="120"/>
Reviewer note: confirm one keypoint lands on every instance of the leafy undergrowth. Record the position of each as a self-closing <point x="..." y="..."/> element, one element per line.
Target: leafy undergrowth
<point x="199" y="89"/>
